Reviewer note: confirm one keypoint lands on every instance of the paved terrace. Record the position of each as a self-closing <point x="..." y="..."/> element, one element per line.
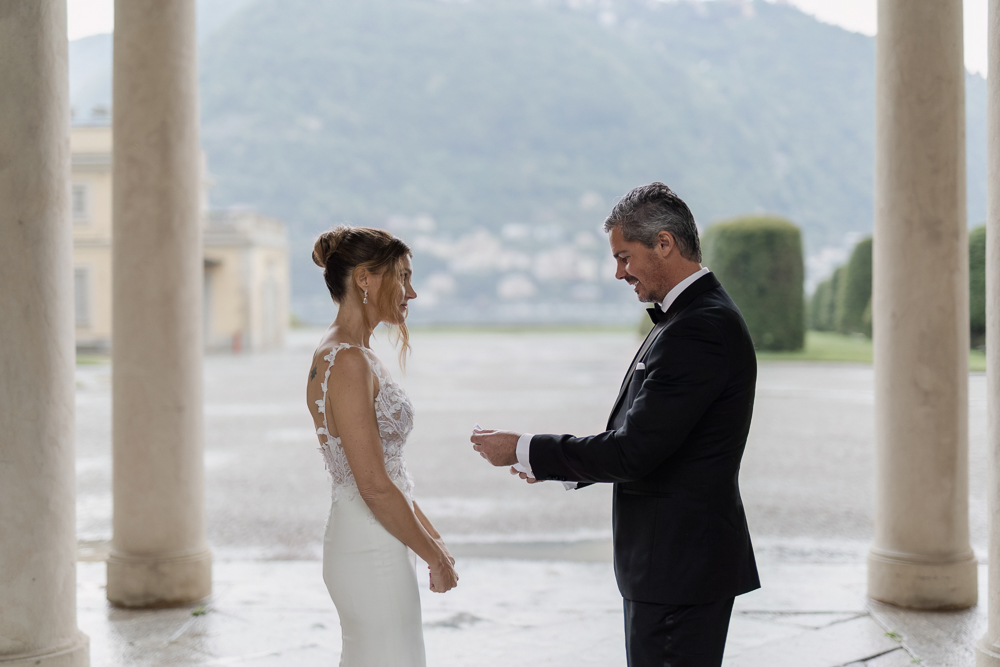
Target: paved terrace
<point x="536" y="583"/>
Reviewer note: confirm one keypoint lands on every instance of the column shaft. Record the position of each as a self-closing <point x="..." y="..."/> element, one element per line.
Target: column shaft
<point x="37" y="357"/>
<point x="921" y="556"/>
<point x="159" y="556"/>
<point x="988" y="649"/>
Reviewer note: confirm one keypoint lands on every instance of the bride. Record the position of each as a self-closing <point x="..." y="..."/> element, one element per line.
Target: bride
<point x="363" y="418"/>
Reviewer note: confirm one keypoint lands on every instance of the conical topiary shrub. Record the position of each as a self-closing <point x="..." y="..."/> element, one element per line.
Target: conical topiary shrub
<point x="823" y="304"/>
<point x="977" y="286"/>
<point x="854" y="292"/>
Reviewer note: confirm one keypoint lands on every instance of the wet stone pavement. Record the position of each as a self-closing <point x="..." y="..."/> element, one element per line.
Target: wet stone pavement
<point x="536" y="579"/>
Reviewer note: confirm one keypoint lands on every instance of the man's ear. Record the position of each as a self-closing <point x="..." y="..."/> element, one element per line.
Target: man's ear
<point x="665" y="243"/>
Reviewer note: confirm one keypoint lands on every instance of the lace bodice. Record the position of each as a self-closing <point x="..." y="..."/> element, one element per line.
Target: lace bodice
<point x="394" y="414"/>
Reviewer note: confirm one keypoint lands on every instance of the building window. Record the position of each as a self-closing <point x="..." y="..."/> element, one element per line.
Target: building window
<point x="81" y="203"/>
<point x="81" y="291"/>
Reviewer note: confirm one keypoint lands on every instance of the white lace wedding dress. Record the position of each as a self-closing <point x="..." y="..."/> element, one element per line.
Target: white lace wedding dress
<point x="370" y="574"/>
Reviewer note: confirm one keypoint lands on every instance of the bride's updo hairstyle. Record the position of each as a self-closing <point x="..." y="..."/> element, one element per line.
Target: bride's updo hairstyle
<point x="343" y="251"/>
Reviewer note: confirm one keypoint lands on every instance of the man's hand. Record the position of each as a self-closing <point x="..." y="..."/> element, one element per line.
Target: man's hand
<point x="497" y="447"/>
<point x="522" y="475"/>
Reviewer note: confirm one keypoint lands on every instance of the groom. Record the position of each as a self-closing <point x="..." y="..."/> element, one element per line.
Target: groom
<point x="673" y="443"/>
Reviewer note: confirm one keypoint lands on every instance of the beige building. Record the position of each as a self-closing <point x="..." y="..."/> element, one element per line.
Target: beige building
<point x="246" y="289"/>
<point x="246" y="281"/>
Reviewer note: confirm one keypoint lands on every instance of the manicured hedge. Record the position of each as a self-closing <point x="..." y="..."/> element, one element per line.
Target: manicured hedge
<point x="851" y="287"/>
<point x="977" y="286"/>
<point x="854" y="293"/>
<point x="759" y="262"/>
<point x="823" y="304"/>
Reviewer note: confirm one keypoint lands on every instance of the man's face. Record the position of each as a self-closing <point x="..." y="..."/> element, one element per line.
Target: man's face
<point x="645" y="269"/>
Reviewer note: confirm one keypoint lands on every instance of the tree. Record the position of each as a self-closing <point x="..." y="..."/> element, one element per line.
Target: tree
<point x="855" y="291"/>
<point x="977" y="286"/>
<point x="823" y="304"/>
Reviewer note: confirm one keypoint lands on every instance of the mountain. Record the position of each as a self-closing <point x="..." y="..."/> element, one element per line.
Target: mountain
<point x="90" y="78"/>
<point x="496" y="134"/>
<point x="90" y="61"/>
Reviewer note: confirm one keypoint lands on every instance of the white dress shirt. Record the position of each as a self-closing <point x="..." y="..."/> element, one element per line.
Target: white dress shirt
<point x="524" y="442"/>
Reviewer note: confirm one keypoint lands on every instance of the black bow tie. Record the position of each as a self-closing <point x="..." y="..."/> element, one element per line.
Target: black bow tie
<point x="655" y="313"/>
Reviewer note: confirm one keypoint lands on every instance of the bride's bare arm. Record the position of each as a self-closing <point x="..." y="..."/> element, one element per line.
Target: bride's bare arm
<point x="429" y="527"/>
<point x="350" y="400"/>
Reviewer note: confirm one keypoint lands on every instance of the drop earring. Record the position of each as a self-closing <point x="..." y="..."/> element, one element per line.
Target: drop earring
<point x="365" y="300"/>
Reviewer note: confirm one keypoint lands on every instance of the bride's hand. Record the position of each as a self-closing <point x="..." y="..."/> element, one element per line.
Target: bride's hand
<point x="443" y="575"/>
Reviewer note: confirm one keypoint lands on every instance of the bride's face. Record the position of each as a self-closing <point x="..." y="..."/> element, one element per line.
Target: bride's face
<point x="405" y="290"/>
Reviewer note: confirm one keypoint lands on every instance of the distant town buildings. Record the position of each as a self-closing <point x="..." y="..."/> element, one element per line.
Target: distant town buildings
<point x="247" y="286"/>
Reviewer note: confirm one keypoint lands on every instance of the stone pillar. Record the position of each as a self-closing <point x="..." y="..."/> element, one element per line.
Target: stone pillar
<point x="921" y="558"/>
<point x="37" y="355"/>
<point x="159" y="556"/>
<point x="988" y="649"/>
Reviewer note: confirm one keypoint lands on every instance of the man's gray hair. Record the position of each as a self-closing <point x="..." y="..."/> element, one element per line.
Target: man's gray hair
<point x="650" y="209"/>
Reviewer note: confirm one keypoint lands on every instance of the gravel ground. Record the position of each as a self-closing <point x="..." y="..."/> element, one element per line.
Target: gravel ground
<point x="536" y="582"/>
<point x="807" y="477"/>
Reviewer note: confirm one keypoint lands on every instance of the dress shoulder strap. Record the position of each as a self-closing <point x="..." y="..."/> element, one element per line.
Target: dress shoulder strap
<point x="332" y="354"/>
<point x="329" y="359"/>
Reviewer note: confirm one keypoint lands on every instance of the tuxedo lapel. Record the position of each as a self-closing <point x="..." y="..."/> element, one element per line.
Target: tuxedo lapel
<point x="698" y="287"/>
<point x="646" y="344"/>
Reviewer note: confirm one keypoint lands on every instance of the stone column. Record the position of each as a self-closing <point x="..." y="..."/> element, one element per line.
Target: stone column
<point x="921" y="557"/>
<point x="37" y="355"/>
<point x="159" y="556"/>
<point x="988" y="649"/>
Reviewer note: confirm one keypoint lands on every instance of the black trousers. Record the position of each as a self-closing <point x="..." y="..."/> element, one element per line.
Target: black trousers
<point x="663" y="635"/>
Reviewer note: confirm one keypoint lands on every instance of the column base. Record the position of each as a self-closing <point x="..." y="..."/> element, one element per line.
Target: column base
<point x="168" y="580"/>
<point x="906" y="582"/>
<point x="987" y="653"/>
<point x="77" y="654"/>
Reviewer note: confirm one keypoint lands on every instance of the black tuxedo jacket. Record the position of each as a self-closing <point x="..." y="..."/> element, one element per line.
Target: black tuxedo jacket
<point x="673" y="448"/>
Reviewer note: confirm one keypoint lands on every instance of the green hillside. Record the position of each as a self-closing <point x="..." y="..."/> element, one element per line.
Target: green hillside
<point x="484" y="113"/>
<point x="487" y="112"/>
<point x="530" y="114"/>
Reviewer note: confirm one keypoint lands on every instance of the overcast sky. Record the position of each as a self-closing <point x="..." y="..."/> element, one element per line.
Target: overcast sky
<point x="860" y="16"/>
<point x="91" y="17"/>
